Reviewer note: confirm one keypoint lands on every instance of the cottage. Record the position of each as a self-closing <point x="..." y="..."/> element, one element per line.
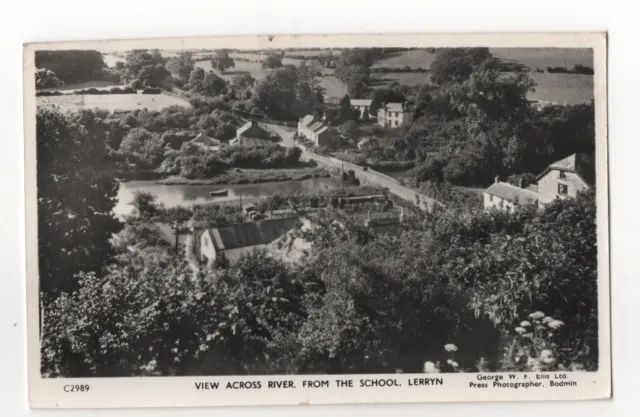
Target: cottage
<point x="506" y="196"/>
<point x="317" y="131"/>
<point x="233" y="241"/>
<point x="362" y="105"/>
<point x="252" y="134"/>
<point x="562" y="179"/>
<point x="566" y="177"/>
<point x="393" y="115"/>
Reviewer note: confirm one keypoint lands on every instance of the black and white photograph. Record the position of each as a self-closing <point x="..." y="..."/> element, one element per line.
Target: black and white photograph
<point x="366" y="213"/>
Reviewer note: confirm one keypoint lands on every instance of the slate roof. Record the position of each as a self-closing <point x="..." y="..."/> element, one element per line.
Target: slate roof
<point x="580" y="163"/>
<point x="315" y="126"/>
<point x="203" y="139"/>
<point x="251" y="234"/>
<point x="394" y="107"/>
<point x="361" y="102"/>
<point x="307" y="120"/>
<point x="512" y="193"/>
<point x="253" y="130"/>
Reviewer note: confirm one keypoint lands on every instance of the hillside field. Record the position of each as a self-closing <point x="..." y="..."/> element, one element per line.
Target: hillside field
<point x="111" y="102"/>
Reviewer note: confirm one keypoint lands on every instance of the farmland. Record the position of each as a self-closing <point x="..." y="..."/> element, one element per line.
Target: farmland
<point x="332" y="87"/>
<point x="558" y="88"/>
<point x="112" y="102"/>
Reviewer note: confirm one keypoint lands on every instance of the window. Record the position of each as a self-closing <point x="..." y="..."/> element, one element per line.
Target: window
<point x="563" y="189"/>
<point x="563" y="175"/>
<point x="396" y="123"/>
<point x="206" y="241"/>
<point x="395" y="114"/>
<point x="491" y="198"/>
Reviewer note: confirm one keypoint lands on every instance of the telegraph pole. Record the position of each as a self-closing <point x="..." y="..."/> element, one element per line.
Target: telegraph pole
<point x="176" y="227"/>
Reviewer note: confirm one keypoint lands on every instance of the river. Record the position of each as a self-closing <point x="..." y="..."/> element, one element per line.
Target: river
<point x="183" y="195"/>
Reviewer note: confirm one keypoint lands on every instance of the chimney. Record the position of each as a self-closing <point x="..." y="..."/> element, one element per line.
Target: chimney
<point x="497" y="179"/>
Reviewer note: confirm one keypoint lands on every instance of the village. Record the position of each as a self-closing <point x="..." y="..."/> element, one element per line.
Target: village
<point x="295" y="211"/>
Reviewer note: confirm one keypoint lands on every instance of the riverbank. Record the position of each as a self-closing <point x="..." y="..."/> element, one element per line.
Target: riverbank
<point x="251" y="176"/>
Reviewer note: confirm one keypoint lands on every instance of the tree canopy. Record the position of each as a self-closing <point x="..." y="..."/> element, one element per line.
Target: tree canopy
<point x="222" y="61"/>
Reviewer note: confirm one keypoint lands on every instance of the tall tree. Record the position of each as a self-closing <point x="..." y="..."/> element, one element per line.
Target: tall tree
<point x="146" y="67"/>
<point x="222" y="61"/>
<point x="75" y="204"/>
<point x="181" y="65"/>
<point x="457" y="64"/>
<point x="273" y="60"/>
<point x="196" y="78"/>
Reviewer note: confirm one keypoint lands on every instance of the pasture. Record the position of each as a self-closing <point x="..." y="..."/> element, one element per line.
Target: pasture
<point x="111" y="102"/>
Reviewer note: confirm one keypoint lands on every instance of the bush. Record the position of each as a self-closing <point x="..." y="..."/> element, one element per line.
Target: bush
<point x="522" y="180"/>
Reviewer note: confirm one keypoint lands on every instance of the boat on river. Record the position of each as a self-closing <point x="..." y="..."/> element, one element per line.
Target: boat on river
<point x="219" y="193"/>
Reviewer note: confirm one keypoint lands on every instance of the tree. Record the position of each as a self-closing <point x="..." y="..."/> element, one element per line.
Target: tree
<point x="212" y="85"/>
<point x="141" y="146"/>
<point x="196" y="78"/>
<point x="181" y="65"/>
<point x="71" y="66"/>
<point x="75" y="205"/>
<point x="349" y="129"/>
<point x="145" y="204"/>
<point x="273" y="60"/>
<point x="222" y="61"/>
<point x="386" y="95"/>
<point x="276" y="93"/>
<point x="243" y="81"/>
<point x="457" y="64"/>
<point x="148" y="67"/>
<point x="47" y="79"/>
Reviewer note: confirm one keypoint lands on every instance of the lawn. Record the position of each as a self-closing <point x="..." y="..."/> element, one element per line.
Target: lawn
<point x="112" y="102"/>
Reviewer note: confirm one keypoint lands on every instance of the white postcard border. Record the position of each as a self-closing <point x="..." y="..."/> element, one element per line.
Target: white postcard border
<point x="181" y="391"/>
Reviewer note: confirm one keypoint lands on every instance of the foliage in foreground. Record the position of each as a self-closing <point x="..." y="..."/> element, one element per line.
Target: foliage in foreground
<point x="450" y="279"/>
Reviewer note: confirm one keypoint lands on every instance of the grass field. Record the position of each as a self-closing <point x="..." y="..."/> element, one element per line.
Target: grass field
<point x="112" y="102"/>
<point x="332" y="86"/>
<point x="558" y="88"/>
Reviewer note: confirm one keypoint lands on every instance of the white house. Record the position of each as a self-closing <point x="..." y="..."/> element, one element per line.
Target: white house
<point x="562" y="179"/>
<point x="506" y="196"/>
<point x="394" y="115"/>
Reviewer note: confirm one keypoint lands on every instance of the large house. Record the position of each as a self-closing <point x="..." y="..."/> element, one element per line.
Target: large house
<point x="317" y="131"/>
<point x="362" y="105"/>
<point x="562" y="179"/>
<point x="394" y="115"/>
<point x="252" y="134"/>
<point x="233" y="241"/>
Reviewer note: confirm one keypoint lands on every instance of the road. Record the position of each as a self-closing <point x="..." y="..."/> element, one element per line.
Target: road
<point x="369" y="176"/>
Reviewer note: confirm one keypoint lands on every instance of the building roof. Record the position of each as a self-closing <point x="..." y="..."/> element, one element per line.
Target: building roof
<point x="249" y="141"/>
<point x="316" y="126"/>
<point x="361" y="102"/>
<point x="205" y="140"/>
<point x="251" y="234"/>
<point x="394" y="107"/>
<point x="252" y="130"/>
<point x="512" y="193"/>
<point x="308" y="119"/>
<point x="579" y="163"/>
